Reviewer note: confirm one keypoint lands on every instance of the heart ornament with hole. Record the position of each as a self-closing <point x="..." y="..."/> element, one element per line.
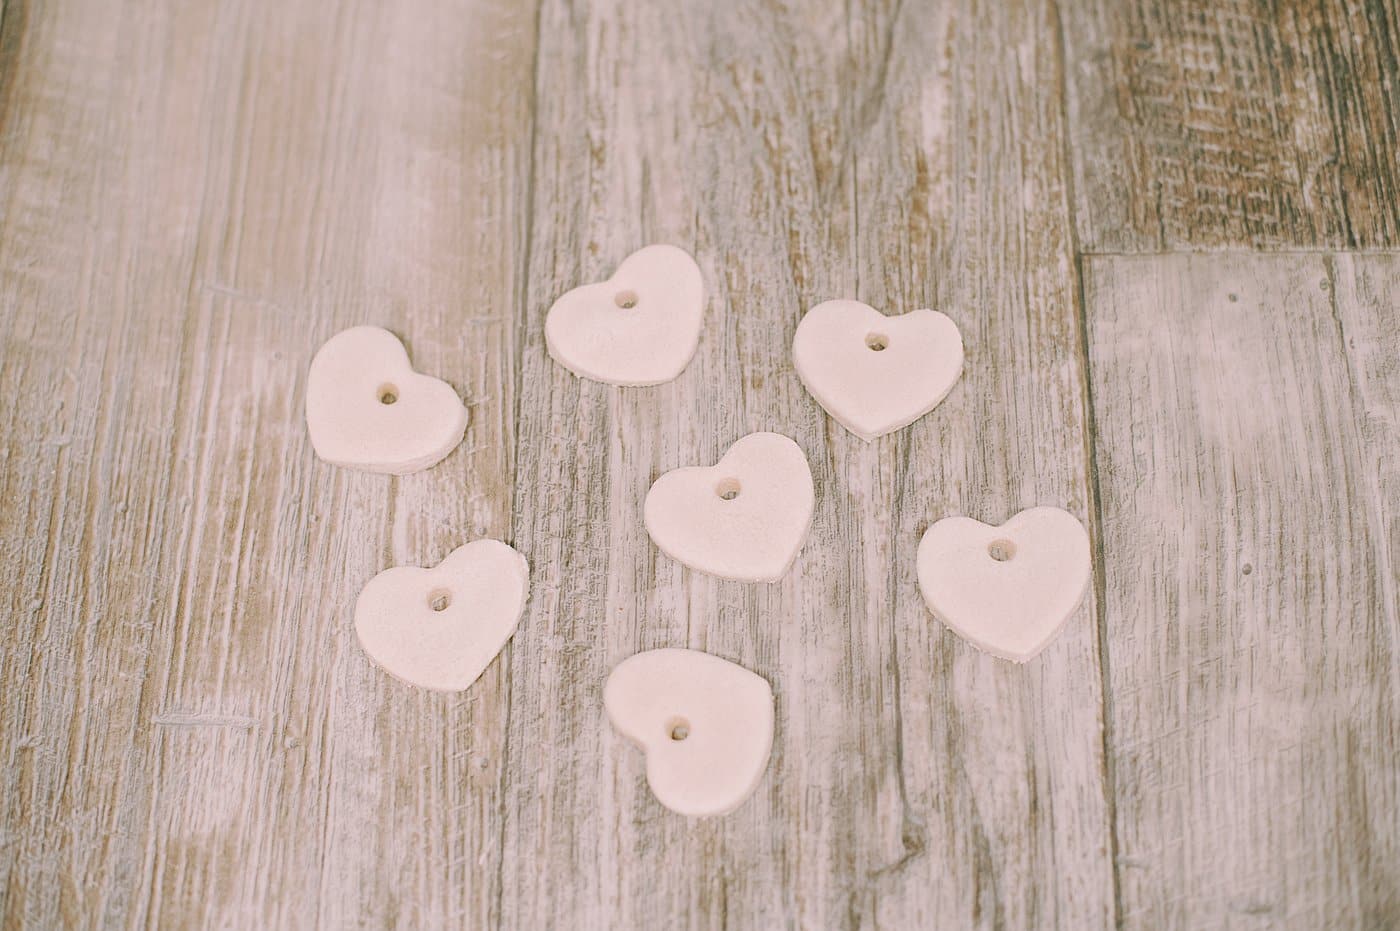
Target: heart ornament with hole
<point x="705" y="725"/>
<point x="640" y="327"/>
<point x="744" y="518"/>
<point x="366" y="408"/>
<point x="876" y="374"/>
<point x="439" y="628"/>
<point x="1007" y="590"/>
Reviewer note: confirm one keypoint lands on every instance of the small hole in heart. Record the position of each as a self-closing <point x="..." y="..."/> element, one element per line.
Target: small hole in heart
<point x="1001" y="550"/>
<point x="728" y="489"/>
<point x="877" y="342"/>
<point x="679" y="728"/>
<point x="439" y="599"/>
<point x="625" y="299"/>
<point x="388" y="394"/>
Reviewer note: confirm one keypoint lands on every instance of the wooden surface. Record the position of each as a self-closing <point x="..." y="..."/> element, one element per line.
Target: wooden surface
<point x="196" y="195"/>
<point x="913" y="777"/>
<point x="1234" y="123"/>
<point x="1249" y="483"/>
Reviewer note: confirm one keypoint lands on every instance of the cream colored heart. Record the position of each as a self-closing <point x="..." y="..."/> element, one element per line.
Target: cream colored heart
<point x="744" y="518"/>
<point x="640" y="327"/>
<point x="439" y="628"/>
<point x="366" y="408"/>
<point x="876" y="374"/>
<point x="705" y="725"/>
<point x="1007" y="590"/>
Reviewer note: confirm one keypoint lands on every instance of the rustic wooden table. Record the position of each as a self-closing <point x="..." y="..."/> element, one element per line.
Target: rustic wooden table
<point x="1169" y="231"/>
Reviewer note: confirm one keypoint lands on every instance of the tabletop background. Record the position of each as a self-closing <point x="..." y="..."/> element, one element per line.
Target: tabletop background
<point x="1169" y="232"/>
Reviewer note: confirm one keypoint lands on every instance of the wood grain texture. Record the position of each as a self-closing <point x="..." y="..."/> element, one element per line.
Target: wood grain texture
<point x="197" y="195"/>
<point x="892" y="154"/>
<point x="1247" y="451"/>
<point x="193" y="196"/>
<point x="1237" y="123"/>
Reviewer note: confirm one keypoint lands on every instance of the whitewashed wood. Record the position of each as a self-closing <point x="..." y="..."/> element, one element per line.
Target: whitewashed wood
<point x="196" y="195"/>
<point x="962" y="200"/>
<point x="907" y="157"/>
<point x="1247" y="452"/>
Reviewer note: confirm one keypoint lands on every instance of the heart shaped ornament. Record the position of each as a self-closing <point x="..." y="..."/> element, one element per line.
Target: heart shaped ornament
<point x="876" y="374"/>
<point x="1007" y="590"/>
<point x="705" y="725"/>
<point x="366" y="408"/>
<point x="744" y="518"/>
<point x="640" y="327"/>
<point x="439" y="628"/>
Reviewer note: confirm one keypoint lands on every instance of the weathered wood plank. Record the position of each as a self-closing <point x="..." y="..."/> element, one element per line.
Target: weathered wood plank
<point x="961" y="186"/>
<point x="1236" y="123"/>
<point x="1247" y="457"/>
<point x="197" y="195"/>
<point x="194" y="196"/>
<point x="909" y="157"/>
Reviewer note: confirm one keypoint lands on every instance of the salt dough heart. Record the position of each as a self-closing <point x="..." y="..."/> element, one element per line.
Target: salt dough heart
<point x="367" y="409"/>
<point x="640" y="327"/>
<point x="873" y="373"/>
<point x="744" y="518"/>
<point x="1009" y="589"/>
<point x="439" y="628"/>
<point x="705" y="724"/>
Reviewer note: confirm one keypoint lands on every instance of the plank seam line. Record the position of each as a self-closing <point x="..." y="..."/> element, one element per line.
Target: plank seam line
<point x="1235" y="251"/>
<point x="517" y="354"/>
<point x="1094" y="508"/>
<point x="1100" y="589"/>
